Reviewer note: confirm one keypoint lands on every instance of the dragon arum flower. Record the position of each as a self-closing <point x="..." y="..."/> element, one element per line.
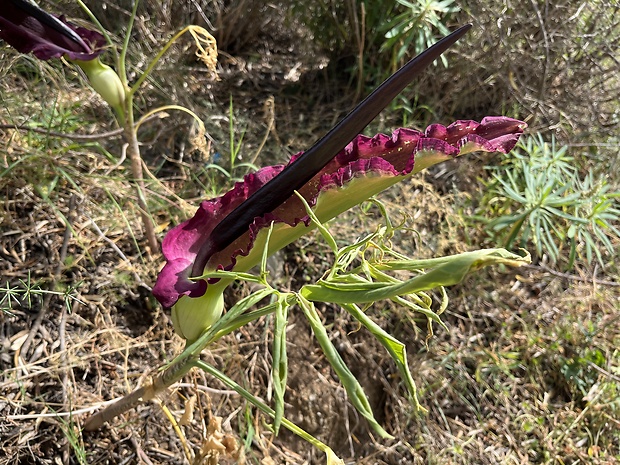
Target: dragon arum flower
<point x="27" y="28"/>
<point x="338" y="172"/>
<point x="365" y="167"/>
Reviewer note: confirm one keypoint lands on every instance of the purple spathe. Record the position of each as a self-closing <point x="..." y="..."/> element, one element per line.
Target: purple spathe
<point x="381" y="160"/>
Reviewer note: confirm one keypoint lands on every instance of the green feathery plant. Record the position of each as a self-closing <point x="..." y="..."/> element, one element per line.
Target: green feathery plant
<point x="26" y="292"/>
<point x="538" y="196"/>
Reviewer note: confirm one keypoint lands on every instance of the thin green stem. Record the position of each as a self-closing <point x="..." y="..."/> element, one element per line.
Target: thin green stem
<point x="154" y="61"/>
<point x="94" y="19"/>
<point x="122" y="59"/>
<point x="163" y="108"/>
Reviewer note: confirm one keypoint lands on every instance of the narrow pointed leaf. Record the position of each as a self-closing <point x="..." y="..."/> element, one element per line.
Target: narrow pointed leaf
<point x="355" y="392"/>
<point x="280" y="361"/>
<point x="395" y="348"/>
<point x="449" y="273"/>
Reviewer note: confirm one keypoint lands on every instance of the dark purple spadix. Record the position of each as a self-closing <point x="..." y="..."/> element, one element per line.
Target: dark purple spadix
<point x="295" y="175"/>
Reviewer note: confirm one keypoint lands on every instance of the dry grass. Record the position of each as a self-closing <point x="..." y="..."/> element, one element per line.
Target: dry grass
<point x="555" y="63"/>
<point x="526" y="373"/>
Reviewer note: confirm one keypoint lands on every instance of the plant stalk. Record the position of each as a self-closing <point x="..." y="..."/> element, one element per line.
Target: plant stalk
<point x="133" y="149"/>
<point x="143" y="394"/>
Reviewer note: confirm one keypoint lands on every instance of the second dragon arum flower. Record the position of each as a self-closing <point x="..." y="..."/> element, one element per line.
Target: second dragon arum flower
<point x="27" y="28"/>
<point x="364" y="168"/>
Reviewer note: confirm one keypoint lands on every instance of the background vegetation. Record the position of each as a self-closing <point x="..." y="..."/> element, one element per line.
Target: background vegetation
<point x="528" y="370"/>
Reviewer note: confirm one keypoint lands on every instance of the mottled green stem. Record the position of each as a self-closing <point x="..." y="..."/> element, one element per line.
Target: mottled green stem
<point x="133" y="150"/>
<point x="161" y="382"/>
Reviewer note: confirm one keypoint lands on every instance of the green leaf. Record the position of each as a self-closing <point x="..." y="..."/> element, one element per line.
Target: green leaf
<point x="452" y="271"/>
<point x="356" y="394"/>
<point x="331" y="242"/>
<point x="395" y="348"/>
<point x="279" y="369"/>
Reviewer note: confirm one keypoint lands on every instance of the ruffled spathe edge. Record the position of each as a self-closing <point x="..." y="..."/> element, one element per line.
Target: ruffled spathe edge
<point x="381" y="156"/>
